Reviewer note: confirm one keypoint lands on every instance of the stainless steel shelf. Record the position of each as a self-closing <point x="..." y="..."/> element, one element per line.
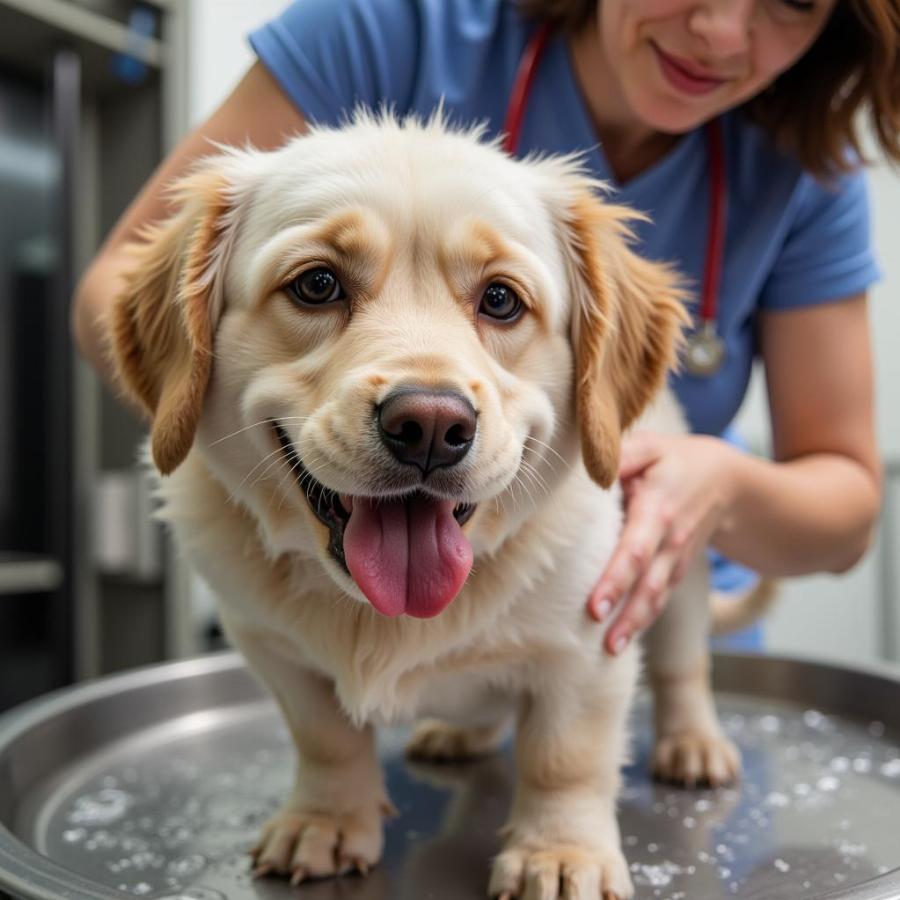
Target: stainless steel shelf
<point x="90" y="26"/>
<point x="26" y="574"/>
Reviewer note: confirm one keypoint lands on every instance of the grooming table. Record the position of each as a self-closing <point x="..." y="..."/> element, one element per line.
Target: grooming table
<point x="154" y="784"/>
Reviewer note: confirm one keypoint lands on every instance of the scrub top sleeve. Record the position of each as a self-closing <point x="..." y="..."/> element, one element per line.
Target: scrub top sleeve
<point x="827" y="251"/>
<point x="329" y="56"/>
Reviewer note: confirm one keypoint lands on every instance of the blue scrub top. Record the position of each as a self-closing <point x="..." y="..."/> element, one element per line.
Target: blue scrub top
<point x="791" y="241"/>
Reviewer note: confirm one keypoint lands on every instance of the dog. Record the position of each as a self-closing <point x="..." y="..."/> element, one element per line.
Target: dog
<point x="387" y="369"/>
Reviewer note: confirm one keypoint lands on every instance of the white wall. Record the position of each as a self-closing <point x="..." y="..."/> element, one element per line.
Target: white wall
<point x="219" y="52"/>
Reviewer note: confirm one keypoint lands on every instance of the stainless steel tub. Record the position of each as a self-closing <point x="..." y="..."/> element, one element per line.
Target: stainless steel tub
<point x="153" y="784"/>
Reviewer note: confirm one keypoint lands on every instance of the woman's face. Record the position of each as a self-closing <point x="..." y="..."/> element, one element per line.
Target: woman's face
<point x="682" y="62"/>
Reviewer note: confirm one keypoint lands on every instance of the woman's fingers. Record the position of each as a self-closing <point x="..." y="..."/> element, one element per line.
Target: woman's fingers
<point x="640" y="449"/>
<point x="640" y="541"/>
<point x="645" y="603"/>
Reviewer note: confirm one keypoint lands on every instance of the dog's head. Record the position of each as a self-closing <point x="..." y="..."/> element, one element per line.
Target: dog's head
<point x="389" y="341"/>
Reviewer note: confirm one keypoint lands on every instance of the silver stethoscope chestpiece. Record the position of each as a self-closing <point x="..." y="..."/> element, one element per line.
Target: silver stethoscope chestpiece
<point x="705" y="351"/>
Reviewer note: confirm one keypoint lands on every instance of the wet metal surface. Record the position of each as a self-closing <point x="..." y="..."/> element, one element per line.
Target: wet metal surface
<point x="169" y="809"/>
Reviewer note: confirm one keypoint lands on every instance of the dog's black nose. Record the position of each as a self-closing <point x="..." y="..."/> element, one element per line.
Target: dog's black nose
<point x="428" y="429"/>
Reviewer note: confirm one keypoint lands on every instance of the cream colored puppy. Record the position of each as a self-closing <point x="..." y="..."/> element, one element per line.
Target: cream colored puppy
<point x="388" y="369"/>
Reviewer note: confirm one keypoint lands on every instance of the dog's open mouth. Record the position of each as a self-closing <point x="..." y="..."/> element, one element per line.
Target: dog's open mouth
<point x="407" y="554"/>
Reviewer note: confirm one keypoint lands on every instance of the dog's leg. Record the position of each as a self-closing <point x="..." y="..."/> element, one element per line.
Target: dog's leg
<point x="562" y="839"/>
<point x="331" y="823"/>
<point x="690" y="745"/>
<point x="438" y="741"/>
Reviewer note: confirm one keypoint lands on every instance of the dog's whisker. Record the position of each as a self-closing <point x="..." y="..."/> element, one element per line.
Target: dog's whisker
<point x="535" y="476"/>
<point x="528" y="493"/>
<point x="307" y="477"/>
<point x="240" y="431"/>
<point x="287" y="481"/>
<point x="284" y="472"/>
<point x="232" y="496"/>
<point x="268" y="421"/>
<point x="279" y="460"/>
<point x="260" y="462"/>
<point x="520" y="481"/>
<point x="284" y="475"/>
<point x="282" y="490"/>
<point x="556" y="453"/>
<point x="531" y="498"/>
<point x="515" y="485"/>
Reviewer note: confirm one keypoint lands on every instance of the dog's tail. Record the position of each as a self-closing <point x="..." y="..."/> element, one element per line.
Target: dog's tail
<point x="733" y="612"/>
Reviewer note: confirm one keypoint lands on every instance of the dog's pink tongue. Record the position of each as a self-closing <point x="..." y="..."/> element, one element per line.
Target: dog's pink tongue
<point x="407" y="556"/>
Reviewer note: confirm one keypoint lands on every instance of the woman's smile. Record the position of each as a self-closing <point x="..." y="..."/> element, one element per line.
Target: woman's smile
<point x="685" y="76"/>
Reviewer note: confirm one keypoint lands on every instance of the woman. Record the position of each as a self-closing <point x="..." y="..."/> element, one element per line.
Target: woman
<point x="634" y="83"/>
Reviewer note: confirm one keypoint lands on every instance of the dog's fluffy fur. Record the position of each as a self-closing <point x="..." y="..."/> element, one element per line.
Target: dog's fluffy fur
<point x="417" y="220"/>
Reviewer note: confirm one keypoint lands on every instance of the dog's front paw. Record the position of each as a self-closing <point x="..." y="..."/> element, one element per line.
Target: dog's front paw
<point x="693" y="758"/>
<point x="557" y="871"/>
<point x="314" y="845"/>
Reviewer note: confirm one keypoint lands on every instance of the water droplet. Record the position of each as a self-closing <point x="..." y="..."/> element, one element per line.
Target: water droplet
<point x="814" y="719"/>
<point x="862" y="764"/>
<point x="849" y="849"/>
<point x="876" y="729"/>
<point x="828" y="783"/>
<point x="102" y="808"/>
<point x="781" y="865"/>
<point x="657" y="876"/>
<point x="689" y="822"/>
<point x="891" y="769"/>
<point x="100" y="840"/>
<point x="187" y="866"/>
<point x="777" y="799"/>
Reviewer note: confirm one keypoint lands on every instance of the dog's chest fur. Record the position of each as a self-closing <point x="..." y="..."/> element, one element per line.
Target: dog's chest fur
<point x="520" y="610"/>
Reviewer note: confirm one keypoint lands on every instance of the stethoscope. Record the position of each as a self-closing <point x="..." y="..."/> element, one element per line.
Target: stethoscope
<point x="705" y="350"/>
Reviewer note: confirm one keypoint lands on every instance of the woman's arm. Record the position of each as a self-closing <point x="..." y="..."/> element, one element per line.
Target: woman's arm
<point x="257" y="111"/>
<point x="813" y="508"/>
<point x="816" y="509"/>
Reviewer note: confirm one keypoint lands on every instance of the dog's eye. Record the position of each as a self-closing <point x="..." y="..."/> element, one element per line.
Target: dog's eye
<point x="316" y="287"/>
<point x="500" y="302"/>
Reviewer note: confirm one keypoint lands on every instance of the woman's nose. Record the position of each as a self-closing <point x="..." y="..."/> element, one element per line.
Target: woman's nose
<point x="724" y="25"/>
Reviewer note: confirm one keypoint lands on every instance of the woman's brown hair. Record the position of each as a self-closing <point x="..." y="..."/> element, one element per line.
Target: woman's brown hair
<point x="811" y="109"/>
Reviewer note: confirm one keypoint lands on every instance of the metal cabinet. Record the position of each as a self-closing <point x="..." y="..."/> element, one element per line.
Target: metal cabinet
<point x="91" y="95"/>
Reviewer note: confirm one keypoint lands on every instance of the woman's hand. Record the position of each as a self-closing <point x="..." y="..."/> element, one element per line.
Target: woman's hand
<point x="677" y="491"/>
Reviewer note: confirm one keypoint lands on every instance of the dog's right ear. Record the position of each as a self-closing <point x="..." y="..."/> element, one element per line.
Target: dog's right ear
<point x="160" y="327"/>
<point x="627" y="329"/>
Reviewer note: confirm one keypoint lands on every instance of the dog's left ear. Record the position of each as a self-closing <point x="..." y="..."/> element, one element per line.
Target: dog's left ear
<point x="160" y="327"/>
<point x="627" y="326"/>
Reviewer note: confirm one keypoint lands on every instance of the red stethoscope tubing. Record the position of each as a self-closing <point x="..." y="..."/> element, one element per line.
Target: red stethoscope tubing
<point x="715" y="236"/>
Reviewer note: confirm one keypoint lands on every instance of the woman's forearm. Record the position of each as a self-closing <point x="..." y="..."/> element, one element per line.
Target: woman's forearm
<point x="93" y="297"/>
<point x="812" y="514"/>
